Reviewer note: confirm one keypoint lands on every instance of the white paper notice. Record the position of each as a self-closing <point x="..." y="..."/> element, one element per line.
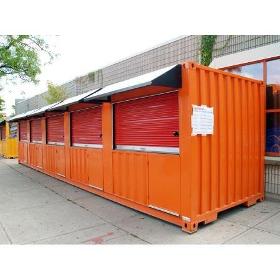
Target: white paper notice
<point x="202" y="120"/>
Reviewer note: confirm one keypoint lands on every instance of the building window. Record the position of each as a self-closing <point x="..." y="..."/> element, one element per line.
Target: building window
<point x="254" y="71"/>
<point x="273" y="72"/>
<point x="273" y="133"/>
<point x="273" y="108"/>
<point x="272" y="79"/>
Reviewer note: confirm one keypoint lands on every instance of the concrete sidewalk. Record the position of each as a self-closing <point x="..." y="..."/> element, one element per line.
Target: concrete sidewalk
<point x="35" y="208"/>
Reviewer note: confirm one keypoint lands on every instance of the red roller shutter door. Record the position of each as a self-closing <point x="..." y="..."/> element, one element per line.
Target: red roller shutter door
<point x="150" y="123"/>
<point x="86" y="127"/>
<point x="36" y="131"/>
<point x="55" y="130"/>
<point x="23" y="130"/>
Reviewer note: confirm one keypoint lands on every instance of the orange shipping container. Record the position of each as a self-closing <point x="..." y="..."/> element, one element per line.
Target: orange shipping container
<point x="181" y="143"/>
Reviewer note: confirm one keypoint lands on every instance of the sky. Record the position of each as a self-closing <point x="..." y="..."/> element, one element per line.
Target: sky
<point x="78" y="55"/>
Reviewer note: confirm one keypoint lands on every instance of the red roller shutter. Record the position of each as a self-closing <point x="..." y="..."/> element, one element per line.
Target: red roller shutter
<point x="148" y="122"/>
<point x="36" y="131"/>
<point x="23" y="130"/>
<point x="55" y="129"/>
<point x="86" y="127"/>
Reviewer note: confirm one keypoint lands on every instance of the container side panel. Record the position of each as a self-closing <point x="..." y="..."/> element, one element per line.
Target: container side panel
<point x="205" y="145"/>
<point x="251" y="137"/>
<point x="231" y="131"/>
<point x="33" y="157"/>
<point x="78" y="165"/>
<point x="51" y="158"/>
<point x="130" y="176"/>
<point x="195" y="149"/>
<point x="164" y="182"/>
<point x="214" y="140"/>
<point x="245" y="137"/>
<point x="25" y="152"/>
<point x="95" y="168"/>
<point x="225" y="168"/>
<point x="36" y="155"/>
<point x="238" y="144"/>
<point x="256" y="139"/>
<point x="184" y="143"/>
<point x="60" y="161"/>
<point x="21" y="152"/>
<point x="221" y="130"/>
<point x="39" y="151"/>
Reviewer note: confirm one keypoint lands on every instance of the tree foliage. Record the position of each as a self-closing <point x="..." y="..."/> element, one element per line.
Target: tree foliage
<point x="2" y="108"/>
<point x="55" y="93"/>
<point x="206" y="49"/>
<point x="19" y="56"/>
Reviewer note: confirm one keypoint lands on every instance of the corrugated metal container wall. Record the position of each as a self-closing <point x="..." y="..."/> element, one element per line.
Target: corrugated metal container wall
<point x="23" y="152"/>
<point x="150" y="121"/>
<point x="23" y="130"/>
<point x="210" y="172"/>
<point x="55" y="129"/>
<point x="226" y="168"/>
<point x="35" y="130"/>
<point x="86" y="127"/>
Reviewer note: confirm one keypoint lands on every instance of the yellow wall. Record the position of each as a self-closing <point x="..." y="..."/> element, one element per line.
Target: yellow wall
<point x="9" y="147"/>
<point x="2" y="147"/>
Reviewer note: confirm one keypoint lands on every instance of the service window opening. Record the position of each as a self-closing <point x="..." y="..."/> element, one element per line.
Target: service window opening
<point x="148" y="124"/>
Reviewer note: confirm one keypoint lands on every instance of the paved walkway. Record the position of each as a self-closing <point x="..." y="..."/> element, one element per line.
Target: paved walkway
<point x="35" y="208"/>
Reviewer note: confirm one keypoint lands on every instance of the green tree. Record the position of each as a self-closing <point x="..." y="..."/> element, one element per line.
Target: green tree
<point x="20" y="56"/>
<point x="2" y="108"/>
<point x="206" y="48"/>
<point x="55" y="93"/>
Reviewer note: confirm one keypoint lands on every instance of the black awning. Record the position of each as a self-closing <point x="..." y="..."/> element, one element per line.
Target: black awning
<point x="169" y="77"/>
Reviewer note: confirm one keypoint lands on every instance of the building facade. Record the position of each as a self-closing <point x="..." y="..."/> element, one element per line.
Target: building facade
<point x="169" y="53"/>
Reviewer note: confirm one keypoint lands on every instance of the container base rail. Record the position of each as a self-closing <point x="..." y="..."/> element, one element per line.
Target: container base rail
<point x="192" y="226"/>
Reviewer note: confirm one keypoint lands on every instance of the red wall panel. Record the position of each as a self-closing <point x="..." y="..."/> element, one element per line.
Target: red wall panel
<point x="86" y="126"/>
<point x="149" y="121"/>
<point x="55" y="129"/>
